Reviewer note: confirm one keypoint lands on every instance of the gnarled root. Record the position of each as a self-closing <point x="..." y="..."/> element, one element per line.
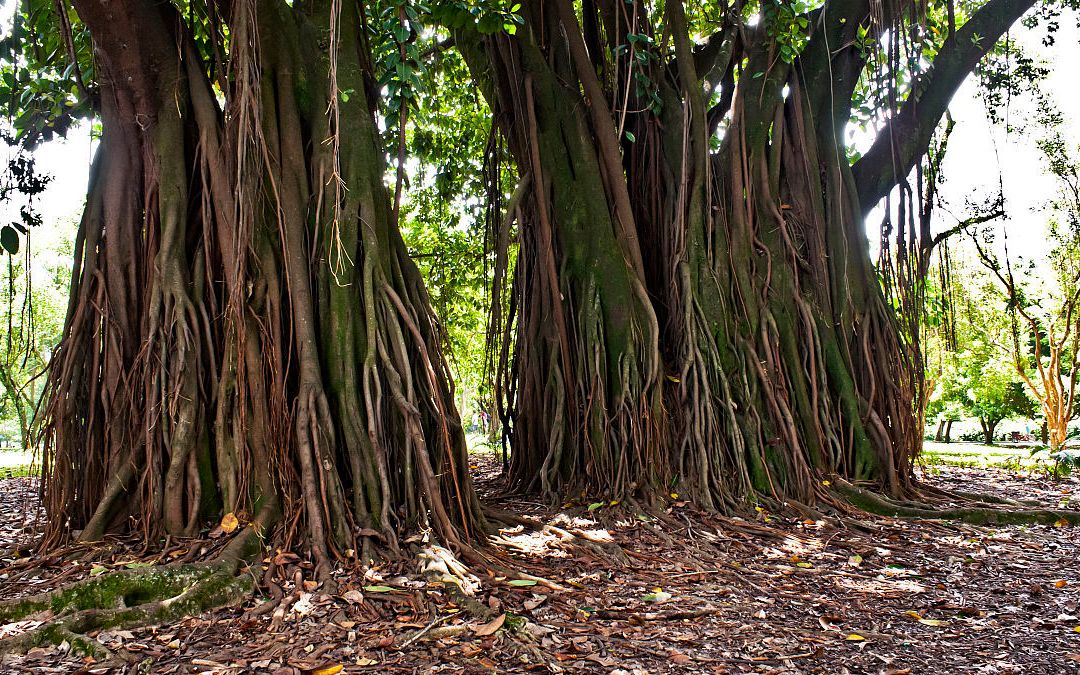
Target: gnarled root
<point x="129" y="599"/>
<point x="974" y="515"/>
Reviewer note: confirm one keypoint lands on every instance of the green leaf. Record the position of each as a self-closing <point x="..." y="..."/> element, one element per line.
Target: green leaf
<point x="595" y="505"/>
<point x="379" y="589"/>
<point x="9" y="239"/>
<point x="522" y="582"/>
<point x="97" y="570"/>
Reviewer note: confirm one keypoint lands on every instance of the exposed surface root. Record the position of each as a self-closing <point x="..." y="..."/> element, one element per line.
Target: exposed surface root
<point x="975" y="515"/>
<point x="128" y="599"/>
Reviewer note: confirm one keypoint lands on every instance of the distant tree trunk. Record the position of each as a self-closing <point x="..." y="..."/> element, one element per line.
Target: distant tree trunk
<point x="988" y="427"/>
<point x="948" y="431"/>
<point x="493" y="423"/>
<point x="247" y="332"/>
<point x="940" y="431"/>
<point x="23" y="404"/>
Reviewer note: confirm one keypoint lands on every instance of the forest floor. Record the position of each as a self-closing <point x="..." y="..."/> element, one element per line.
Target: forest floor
<point x="769" y="594"/>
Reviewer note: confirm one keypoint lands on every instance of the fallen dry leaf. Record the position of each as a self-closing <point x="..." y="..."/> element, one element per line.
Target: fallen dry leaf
<point x="229" y="523"/>
<point x="490" y="627"/>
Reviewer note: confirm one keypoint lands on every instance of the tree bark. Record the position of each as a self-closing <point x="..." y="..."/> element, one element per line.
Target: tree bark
<point x="752" y="349"/>
<point x="247" y="332"/>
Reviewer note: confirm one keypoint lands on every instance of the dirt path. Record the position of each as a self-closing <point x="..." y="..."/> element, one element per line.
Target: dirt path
<point x="695" y="595"/>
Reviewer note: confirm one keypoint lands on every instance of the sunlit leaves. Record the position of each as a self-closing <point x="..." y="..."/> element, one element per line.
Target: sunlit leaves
<point x="787" y="24"/>
<point x="45" y="92"/>
<point x="487" y="16"/>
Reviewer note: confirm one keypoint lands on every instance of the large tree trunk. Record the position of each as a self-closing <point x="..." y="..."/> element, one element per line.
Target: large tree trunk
<point x="247" y="332"/>
<point x="584" y="396"/>
<point x="734" y="286"/>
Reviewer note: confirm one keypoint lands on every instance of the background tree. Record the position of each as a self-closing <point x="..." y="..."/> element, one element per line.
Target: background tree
<point x="967" y="335"/>
<point x="989" y="391"/>
<point x="1042" y="302"/>
<point x="33" y="316"/>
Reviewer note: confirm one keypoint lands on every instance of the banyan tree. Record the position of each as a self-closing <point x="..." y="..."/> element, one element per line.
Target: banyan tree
<point x="693" y="307"/>
<point x="696" y="305"/>
<point x="246" y="332"/>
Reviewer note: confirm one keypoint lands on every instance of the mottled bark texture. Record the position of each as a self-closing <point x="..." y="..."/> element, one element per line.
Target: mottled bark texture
<point x="246" y="332"/>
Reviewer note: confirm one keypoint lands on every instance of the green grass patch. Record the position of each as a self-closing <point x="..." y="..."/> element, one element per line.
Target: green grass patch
<point x="977" y="455"/>
<point x="19" y="471"/>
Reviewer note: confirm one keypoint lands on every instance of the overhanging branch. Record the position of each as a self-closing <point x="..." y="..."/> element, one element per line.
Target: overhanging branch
<point x="908" y="134"/>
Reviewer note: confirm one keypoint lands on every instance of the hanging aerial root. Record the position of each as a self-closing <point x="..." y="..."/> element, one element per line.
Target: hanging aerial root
<point x="872" y="502"/>
<point x="131" y="598"/>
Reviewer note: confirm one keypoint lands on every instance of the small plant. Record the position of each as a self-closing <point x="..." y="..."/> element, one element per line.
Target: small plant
<point x="1065" y="460"/>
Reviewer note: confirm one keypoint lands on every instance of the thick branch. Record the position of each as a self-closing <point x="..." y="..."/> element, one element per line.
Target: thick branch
<point x="908" y="134"/>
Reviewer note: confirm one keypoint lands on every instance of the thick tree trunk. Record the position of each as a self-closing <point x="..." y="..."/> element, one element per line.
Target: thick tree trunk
<point x="754" y="312"/>
<point x="583" y="404"/>
<point x="247" y="332"/>
<point x="988" y="427"/>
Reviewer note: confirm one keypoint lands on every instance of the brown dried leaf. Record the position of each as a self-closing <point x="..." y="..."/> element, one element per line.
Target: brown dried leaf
<point x="490" y="627"/>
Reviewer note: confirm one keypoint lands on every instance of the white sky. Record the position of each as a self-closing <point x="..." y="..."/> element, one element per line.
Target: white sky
<point x="978" y="154"/>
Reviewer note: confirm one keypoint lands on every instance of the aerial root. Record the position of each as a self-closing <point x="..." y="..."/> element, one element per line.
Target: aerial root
<point x="975" y="515"/>
<point x="980" y="497"/>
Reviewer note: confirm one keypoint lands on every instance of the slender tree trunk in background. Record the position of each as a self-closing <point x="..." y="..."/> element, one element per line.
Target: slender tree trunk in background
<point x="1057" y="432"/>
<point x="940" y="431"/>
<point x="493" y="426"/>
<point x="948" y="431"/>
<point x="247" y="332"/>
<point x="24" y="406"/>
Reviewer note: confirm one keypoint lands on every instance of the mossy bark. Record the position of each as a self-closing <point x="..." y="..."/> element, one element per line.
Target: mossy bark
<point x="778" y="359"/>
<point x="246" y="330"/>
<point x="583" y="408"/>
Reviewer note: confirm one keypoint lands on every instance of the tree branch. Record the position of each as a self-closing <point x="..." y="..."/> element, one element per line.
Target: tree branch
<point x="963" y="225"/>
<point x="908" y="134"/>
